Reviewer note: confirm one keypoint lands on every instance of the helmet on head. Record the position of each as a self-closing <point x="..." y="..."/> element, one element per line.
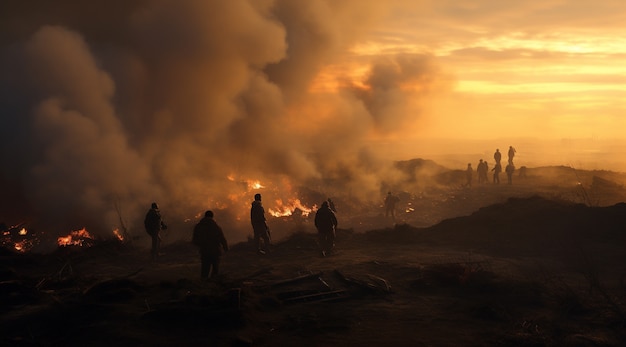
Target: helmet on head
<point x="209" y="214"/>
<point x="257" y="197"/>
<point x="154" y="205"/>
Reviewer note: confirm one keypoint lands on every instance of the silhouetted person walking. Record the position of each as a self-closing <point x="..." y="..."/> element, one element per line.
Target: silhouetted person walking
<point x="326" y="223"/>
<point x="210" y="240"/>
<point x="479" y="171"/>
<point x="390" y="205"/>
<point x="511" y="154"/>
<point x="154" y="224"/>
<point x="496" y="173"/>
<point x="485" y="171"/>
<point x="259" y="225"/>
<point x="497" y="156"/>
<point x="469" y="172"/>
<point x="509" y="172"/>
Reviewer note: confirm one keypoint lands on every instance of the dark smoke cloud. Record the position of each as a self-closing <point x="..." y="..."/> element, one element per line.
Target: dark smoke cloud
<point x="384" y="95"/>
<point x="181" y="101"/>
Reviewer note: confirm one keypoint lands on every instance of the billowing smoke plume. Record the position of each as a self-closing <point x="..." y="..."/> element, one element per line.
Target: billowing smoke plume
<point x="107" y="107"/>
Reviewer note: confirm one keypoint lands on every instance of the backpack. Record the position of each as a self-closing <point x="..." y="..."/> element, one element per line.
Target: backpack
<point x="199" y="237"/>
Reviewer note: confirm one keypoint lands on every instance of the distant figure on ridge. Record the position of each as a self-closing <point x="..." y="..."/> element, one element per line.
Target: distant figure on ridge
<point x="496" y="173"/>
<point x="511" y="153"/>
<point x="482" y="170"/>
<point x="154" y="224"/>
<point x="468" y="175"/>
<point x="259" y="225"/>
<point x="210" y="240"/>
<point x="326" y="223"/>
<point x="510" y="168"/>
<point x="497" y="156"/>
<point x="390" y="205"/>
<point x="485" y="172"/>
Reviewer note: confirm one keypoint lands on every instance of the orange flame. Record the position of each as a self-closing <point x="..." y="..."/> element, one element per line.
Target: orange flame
<point x="284" y="210"/>
<point x="21" y="246"/>
<point x="118" y="234"/>
<point x="75" y="238"/>
<point x="254" y="184"/>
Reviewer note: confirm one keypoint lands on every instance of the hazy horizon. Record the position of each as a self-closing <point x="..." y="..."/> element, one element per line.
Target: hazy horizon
<point x="582" y="153"/>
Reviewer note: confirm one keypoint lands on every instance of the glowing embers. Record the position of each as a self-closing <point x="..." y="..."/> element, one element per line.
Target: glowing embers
<point x="18" y="238"/>
<point x="118" y="234"/>
<point x="76" y="238"/>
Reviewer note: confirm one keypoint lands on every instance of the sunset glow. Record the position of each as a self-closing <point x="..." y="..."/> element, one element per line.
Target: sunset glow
<point x="505" y="63"/>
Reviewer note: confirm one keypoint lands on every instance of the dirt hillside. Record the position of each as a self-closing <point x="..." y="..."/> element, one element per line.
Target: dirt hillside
<point x="525" y="272"/>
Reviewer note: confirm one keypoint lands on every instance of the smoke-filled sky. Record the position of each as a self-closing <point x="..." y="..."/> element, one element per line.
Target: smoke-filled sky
<point x="115" y="104"/>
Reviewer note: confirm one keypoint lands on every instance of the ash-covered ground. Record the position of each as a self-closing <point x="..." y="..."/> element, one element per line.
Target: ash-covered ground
<point x="537" y="263"/>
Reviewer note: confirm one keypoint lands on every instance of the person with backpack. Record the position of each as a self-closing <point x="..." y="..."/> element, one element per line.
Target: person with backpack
<point x="510" y="168"/>
<point x="496" y="173"/>
<point x="259" y="225"/>
<point x="390" y="205"/>
<point x="326" y="223"/>
<point x="154" y="224"/>
<point x="210" y="240"/>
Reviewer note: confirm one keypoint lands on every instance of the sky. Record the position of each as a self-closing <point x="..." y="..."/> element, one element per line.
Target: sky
<point x="108" y="106"/>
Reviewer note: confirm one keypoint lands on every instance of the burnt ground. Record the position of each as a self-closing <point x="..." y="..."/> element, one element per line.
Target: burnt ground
<point x="523" y="270"/>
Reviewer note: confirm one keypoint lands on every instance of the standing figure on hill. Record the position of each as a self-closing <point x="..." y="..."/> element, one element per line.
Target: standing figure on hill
<point x="511" y="153"/>
<point x="154" y="224"/>
<point x="390" y="205"/>
<point x="259" y="225"/>
<point x="326" y="223"/>
<point x="210" y="240"/>
<point x="469" y="172"/>
<point x="496" y="173"/>
<point x="479" y="171"/>
<point x="510" y="168"/>
<point x="497" y="156"/>
<point x="485" y="172"/>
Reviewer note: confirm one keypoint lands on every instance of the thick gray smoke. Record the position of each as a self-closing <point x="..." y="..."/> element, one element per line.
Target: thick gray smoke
<point x="106" y="108"/>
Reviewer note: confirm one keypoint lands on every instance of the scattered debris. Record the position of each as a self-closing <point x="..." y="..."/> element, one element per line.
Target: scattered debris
<point x="376" y="284"/>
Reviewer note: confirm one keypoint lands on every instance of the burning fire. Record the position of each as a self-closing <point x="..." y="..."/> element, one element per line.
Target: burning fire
<point x="284" y="210"/>
<point x="18" y="238"/>
<point x="254" y="184"/>
<point x="21" y="246"/>
<point x="118" y="234"/>
<point x="75" y="238"/>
